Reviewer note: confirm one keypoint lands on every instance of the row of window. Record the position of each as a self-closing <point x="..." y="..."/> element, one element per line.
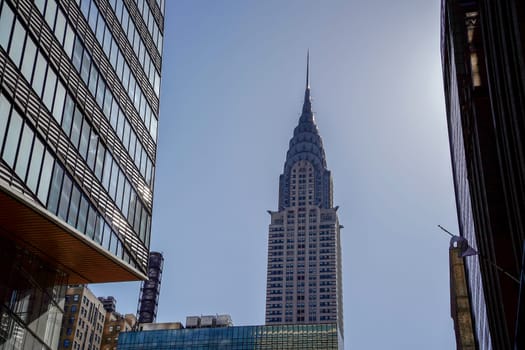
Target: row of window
<point x="129" y="27"/>
<point x="122" y="69"/>
<point x="112" y="111"/>
<point x="279" y="232"/>
<point x="76" y="126"/>
<point x="150" y="22"/>
<point x="289" y="311"/>
<point x="90" y="74"/>
<point x="278" y="244"/>
<point x="311" y="318"/>
<point x="26" y="154"/>
<point x="108" y="43"/>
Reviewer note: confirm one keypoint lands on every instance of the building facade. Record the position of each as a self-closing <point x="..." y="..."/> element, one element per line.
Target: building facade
<point x="113" y="327"/>
<point x="109" y="303"/>
<point x="83" y="322"/>
<point x="484" y="79"/>
<point x="304" y="279"/>
<point x="284" y="337"/>
<point x="79" y="104"/>
<point x="150" y="289"/>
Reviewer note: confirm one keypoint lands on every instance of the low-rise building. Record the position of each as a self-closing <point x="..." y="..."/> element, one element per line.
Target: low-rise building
<point x="114" y="325"/>
<point x="284" y="337"/>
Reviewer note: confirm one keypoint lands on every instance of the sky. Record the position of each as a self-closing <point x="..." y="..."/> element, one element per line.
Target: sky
<point x="232" y="89"/>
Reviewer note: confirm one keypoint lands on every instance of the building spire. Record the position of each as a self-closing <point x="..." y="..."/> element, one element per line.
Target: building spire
<point x="307" y="106"/>
<point x="308" y="69"/>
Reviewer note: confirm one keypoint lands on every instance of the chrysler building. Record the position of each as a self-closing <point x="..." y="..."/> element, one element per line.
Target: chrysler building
<point x="304" y="280"/>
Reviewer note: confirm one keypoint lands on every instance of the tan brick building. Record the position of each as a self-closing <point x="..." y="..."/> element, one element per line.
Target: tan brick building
<point x="83" y="321"/>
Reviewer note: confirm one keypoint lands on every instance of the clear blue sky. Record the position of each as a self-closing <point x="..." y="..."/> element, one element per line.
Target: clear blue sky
<point x="232" y="89"/>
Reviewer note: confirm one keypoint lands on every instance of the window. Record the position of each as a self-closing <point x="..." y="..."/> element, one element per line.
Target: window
<point x="64" y="197"/>
<point x="6" y="22"/>
<point x="59" y="102"/>
<point x="45" y="177"/>
<point x="56" y="185"/>
<point x="11" y="142"/>
<point x="67" y="118"/>
<point x="50" y="89"/>
<point x="34" y="166"/>
<point x="82" y="214"/>
<point x="29" y="59"/>
<point x="24" y="152"/>
<point x="17" y="43"/>
<point x="5" y="106"/>
<point x="39" y="74"/>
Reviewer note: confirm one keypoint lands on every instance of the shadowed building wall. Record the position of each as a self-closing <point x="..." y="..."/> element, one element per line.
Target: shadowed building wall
<point x="484" y="80"/>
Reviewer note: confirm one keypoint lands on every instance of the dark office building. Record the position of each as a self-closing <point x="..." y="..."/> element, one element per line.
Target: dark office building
<point x="484" y="78"/>
<point x="150" y="289"/>
<point x="79" y="104"/>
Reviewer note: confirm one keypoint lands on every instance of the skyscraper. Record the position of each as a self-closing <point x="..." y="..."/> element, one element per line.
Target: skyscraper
<point x="304" y="282"/>
<point x="484" y="80"/>
<point x="79" y="104"/>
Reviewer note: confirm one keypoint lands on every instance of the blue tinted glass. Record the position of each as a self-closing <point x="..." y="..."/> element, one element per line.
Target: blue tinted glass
<point x="56" y="187"/>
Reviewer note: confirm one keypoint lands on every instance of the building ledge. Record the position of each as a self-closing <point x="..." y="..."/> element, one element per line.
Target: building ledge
<point x="57" y="243"/>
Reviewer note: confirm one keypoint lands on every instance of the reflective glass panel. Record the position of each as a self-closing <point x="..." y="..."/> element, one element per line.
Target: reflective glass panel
<point x="6" y="22"/>
<point x="11" y="142"/>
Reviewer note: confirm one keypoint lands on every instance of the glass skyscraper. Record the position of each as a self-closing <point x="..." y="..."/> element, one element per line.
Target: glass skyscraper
<point x="304" y="281"/>
<point x="79" y="105"/>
